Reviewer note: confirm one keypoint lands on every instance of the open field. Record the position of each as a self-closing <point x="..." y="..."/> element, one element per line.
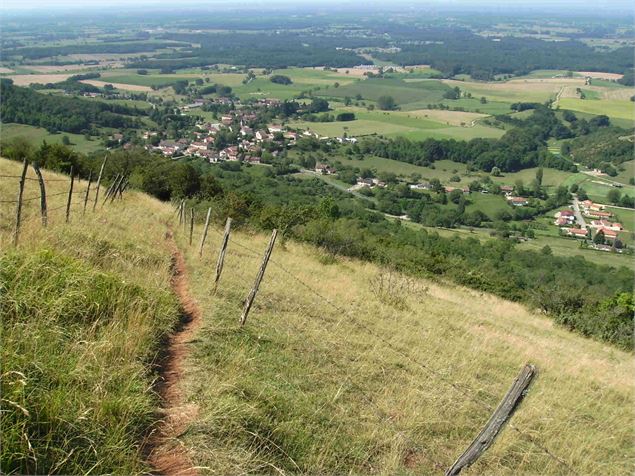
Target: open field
<point x="26" y="79"/>
<point x="35" y="135"/>
<point x="452" y="118"/>
<point x="123" y="86"/>
<point x="601" y="75"/>
<point x="516" y="90"/>
<point x="430" y="91"/>
<point x="299" y="372"/>
<point x="612" y="108"/>
<point x="627" y="174"/>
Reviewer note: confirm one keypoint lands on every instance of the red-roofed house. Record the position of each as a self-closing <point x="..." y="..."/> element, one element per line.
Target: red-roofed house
<point x="578" y="232"/>
<point x="518" y="201"/>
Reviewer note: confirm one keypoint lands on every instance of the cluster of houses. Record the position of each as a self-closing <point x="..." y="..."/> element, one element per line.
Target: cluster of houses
<point x="513" y="200"/>
<point x="241" y="120"/>
<point x="566" y="220"/>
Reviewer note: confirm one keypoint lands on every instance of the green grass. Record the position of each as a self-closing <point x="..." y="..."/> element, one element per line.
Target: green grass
<point x="37" y="134"/>
<point x="614" y="108"/>
<point x="396" y="124"/>
<point x="85" y="306"/>
<point x="428" y="91"/>
<point x="550" y="177"/>
<point x="145" y="80"/>
<point x="488" y="204"/>
<point x="627" y="174"/>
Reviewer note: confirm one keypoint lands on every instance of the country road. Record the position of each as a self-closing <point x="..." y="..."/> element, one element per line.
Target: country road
<point x="578" y="214"/>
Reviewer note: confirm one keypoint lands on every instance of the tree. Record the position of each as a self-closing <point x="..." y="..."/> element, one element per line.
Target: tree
<point x="280" y="79"/>
<point x="345" y="116"/>
<point x="496" y="172"/>
<point x="614" y="196"/>
<point x="483" y="100"/>
<point x="454" y="93"/>
<point x="539" y="175"/>
<point x="66" y="140"/>
<point x="599" y="238"/>
<point x="573" y="188"/>
<point x="318" y="105"/>
<point x="386" y="103"/>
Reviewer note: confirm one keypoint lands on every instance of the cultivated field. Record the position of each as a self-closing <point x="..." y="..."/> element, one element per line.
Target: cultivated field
<point x="123" y="86"/>
<point x="26" y="79"/>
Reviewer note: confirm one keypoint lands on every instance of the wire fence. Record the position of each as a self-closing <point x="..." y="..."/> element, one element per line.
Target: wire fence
<point x="307" y="312"/>
<point x="349" y="316"/>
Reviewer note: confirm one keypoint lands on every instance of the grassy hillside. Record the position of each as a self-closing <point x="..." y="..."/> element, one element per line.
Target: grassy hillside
<point x="350" y="368"/>
<point x="84" y="308"/>
<point x="342" y="367"/>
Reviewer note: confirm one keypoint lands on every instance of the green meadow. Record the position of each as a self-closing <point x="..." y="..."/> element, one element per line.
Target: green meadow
<point x="614" y="108"/>
<point x="36" y="135"/>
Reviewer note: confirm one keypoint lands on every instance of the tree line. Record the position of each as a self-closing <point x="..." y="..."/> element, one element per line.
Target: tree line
<point x="60" y="113"/>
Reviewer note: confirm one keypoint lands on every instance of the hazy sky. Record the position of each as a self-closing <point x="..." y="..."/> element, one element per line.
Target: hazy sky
<point x="580" y="6"/>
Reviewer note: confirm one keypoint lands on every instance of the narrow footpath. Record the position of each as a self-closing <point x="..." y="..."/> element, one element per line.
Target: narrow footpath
<point x="165" y="454"/>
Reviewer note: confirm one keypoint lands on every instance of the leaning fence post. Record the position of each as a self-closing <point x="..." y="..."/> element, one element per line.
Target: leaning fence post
<point x="200" y="250"/>
<point x="110" y="189"/>
<point x="40" y="179"/>
<point x="90" y="176"/>
<point x="122" y="189"/>
<point x="101" y="171"/>
<point x="118" y="186"/>
<point x="112" y="193"/>
<point x="18" y="210"/>
<point x="261" y="272"/>
<point x="221" y="253"/>
<point x="70" y="196"/>
<point x="191" y="224"/>
<point x="491" y="429"/>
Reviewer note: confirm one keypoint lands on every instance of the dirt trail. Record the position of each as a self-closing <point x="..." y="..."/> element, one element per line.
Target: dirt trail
<point x="165" y="454"/>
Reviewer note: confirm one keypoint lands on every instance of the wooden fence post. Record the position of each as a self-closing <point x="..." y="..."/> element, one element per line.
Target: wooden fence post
<point x="181" y="212"/>
<point x="18" y="210"/>
<point x="110" y="189"/>
<point x="200" y="250"/>
<point x="40" y="179"/>
<point x="70" y="196"/>
<point x="118" y="186"/>
<point x="221" y="253"/>
<point x="191" y="224"/>
<point x="90" y="176"/>
<point x="261" y="272"/>
<point x="123" y="188"/>
<point x="491" y="429"/>
<point x="101" y="171"/>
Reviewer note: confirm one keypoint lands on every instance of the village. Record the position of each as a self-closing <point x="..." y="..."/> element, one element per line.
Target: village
<point x="600" y="232"/>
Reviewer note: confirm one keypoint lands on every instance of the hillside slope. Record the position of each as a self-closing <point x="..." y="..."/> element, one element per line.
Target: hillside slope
<point x="342" y="367"/>
<point x="346" y="367"/>
<point x="84" y="308"/>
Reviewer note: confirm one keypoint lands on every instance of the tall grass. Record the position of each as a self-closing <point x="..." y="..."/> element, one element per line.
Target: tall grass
<point x="308" y="388"/>
<point x="84" y="307"/>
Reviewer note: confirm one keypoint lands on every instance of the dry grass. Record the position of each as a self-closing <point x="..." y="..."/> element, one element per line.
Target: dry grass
<point x="57" y="68"/>
<point x="310" y="388"/>
<point x="26" y="79"/>
<point x="454" y="118"/>
<point x="124" y="86"/>
<point x="301" y="373"/>
<point x="601" y="75"/>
